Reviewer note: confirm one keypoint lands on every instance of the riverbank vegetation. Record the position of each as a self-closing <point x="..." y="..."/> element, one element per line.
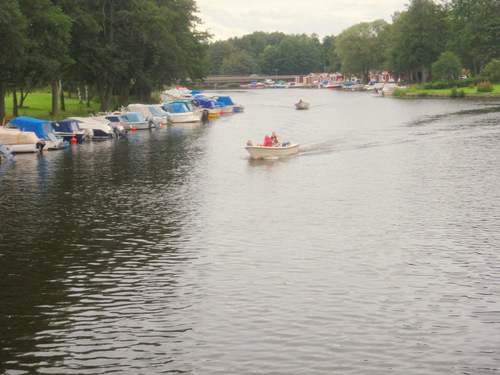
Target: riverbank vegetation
<point x="426" y="42"/>
<point x="106" y="49"/>
<point x="114" y="52"/>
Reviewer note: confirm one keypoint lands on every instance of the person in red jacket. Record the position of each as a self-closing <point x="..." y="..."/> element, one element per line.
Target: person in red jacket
<point x="268" y="142"/>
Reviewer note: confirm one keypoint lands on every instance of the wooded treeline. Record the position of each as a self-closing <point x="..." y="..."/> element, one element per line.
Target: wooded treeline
<point x="114" y="47"/>
<point x="417" y="38"/>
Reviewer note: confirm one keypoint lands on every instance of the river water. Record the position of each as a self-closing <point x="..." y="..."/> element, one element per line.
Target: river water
<point x="375" y="250"/>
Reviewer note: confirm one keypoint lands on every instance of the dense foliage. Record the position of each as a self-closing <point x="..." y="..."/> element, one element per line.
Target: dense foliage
<point x="118" y="47"/>
<point x="453" y="33"/>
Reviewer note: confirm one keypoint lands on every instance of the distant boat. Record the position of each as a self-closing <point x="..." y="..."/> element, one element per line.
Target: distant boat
<point x="333" y="85"/>
<point x="302" y="105"/>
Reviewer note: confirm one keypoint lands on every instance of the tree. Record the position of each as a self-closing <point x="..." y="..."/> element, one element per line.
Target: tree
<point x="418" y="37"/>
<point x="492" y="70"/>
<point x="476" y="31"/>
<point x="13" y="44"/>
<point x="237" y="63"/>
<point x="47" y="51"/>
<point x="217" y="52"/>
<point x="448" y="67"/>
<point x="333" y="62"/>
<point x="361" y="47"/>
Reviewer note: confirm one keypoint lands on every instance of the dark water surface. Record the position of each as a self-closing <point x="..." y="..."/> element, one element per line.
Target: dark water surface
<point x="375" y="250"/>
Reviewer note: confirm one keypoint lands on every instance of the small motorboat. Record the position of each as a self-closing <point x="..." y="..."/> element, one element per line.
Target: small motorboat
<point x="302" y="105"/>
<point x="277" y="151"/>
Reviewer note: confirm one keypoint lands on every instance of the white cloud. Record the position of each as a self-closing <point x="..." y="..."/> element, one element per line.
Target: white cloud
<point x="229" y="18"/>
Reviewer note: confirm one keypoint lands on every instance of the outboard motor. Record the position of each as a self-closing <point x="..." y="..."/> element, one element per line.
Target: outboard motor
<point x="6" y="153"/>
<point x="40" y="145"/>
<point x="204" y="115"/>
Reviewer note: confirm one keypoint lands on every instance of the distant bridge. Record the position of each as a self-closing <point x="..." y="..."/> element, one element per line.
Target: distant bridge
<point x="213" y="81"/>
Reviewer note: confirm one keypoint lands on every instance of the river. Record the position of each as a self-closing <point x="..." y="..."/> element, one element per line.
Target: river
<point x="374" y="250"/>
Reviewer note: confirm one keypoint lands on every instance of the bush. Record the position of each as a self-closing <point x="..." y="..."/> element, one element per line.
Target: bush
<point x="399" y="93"/>
<point x="457" y="94"/>
<point x="492" y="71"/>
<point x="485" y="86"/>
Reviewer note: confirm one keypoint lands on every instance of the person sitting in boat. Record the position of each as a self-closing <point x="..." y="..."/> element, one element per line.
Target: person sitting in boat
<point x="268" y="142"/>
<point x="249" y="143"/>
<point x="275" y="139"/>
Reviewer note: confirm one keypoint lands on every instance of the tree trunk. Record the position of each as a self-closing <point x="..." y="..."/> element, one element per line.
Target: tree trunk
<point x="2" y="101"/>
<point x="61" y="94"/>
<point x="87" y="97"/>
<point x="15" y="106"/>
<point x="55" y="96"/>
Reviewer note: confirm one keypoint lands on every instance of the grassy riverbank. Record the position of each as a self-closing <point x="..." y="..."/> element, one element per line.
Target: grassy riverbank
<point x="39" y="105"/>
<point x="469" y="92"/>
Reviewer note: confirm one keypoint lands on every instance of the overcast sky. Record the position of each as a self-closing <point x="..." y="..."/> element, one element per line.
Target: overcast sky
<point x="230" y="18"/>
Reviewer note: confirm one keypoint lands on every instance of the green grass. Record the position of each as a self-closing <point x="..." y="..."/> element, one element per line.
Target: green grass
<point x="466" y="90"/>
<point x="39" y="105"/>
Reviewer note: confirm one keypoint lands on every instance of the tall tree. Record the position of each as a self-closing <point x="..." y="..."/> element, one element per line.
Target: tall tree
<point x="418" y="37"/>
<point x="476" y="31"/>
<point x="361" y="47"/>
<point x="49" y="36"/>
<point x="13" y="44"/>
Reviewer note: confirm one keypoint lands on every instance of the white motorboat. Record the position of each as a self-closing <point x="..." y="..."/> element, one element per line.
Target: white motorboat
<point x="260" y="152"/>
<point x="18" y="141"/>
<point x="333" y="85"/>
<point x="97" y="128"/>
<point x="302" y="105"/>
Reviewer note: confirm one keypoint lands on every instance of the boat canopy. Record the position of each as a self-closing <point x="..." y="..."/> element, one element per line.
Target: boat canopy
<point x="132" y="117"/>
<point x="66" y="126"/>
<point x="176" y="107"/>
<point x="115" y="118"/>
<point x="41" y="128"/>
<point x="226" y="100"/>
<point x="205" y="103"/>
<point x="156" y="111"/>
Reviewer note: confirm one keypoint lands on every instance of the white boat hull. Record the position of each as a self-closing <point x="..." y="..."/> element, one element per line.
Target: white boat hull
<point x="302" y="105"/>
<point x="260" y="152"/>
<point x="184" y="117"/>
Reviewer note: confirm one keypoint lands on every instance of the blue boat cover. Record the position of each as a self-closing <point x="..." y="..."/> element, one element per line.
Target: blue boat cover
<point x="66" y="126"/>
<point x="175" y="107"/>
<point x="226" y="100"/>
<point x="115" y="118"/>
<point x="204" y="103"/>
<point x="41" y="128"/>
<point x="195" y="92"/>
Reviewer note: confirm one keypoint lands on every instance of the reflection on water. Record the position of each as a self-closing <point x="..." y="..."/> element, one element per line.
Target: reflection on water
<point x="373" y="250"/>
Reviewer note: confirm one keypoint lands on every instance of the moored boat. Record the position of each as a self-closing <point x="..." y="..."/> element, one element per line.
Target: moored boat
<point x="178" y="112"/>
<point x="43" y="130"/>
<point x="68" y="130"/>
<point x="333" y="85"/>
<point x="277" y="151"/>
<point x="17" y="141"/>
<point x="98" y="128"/>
